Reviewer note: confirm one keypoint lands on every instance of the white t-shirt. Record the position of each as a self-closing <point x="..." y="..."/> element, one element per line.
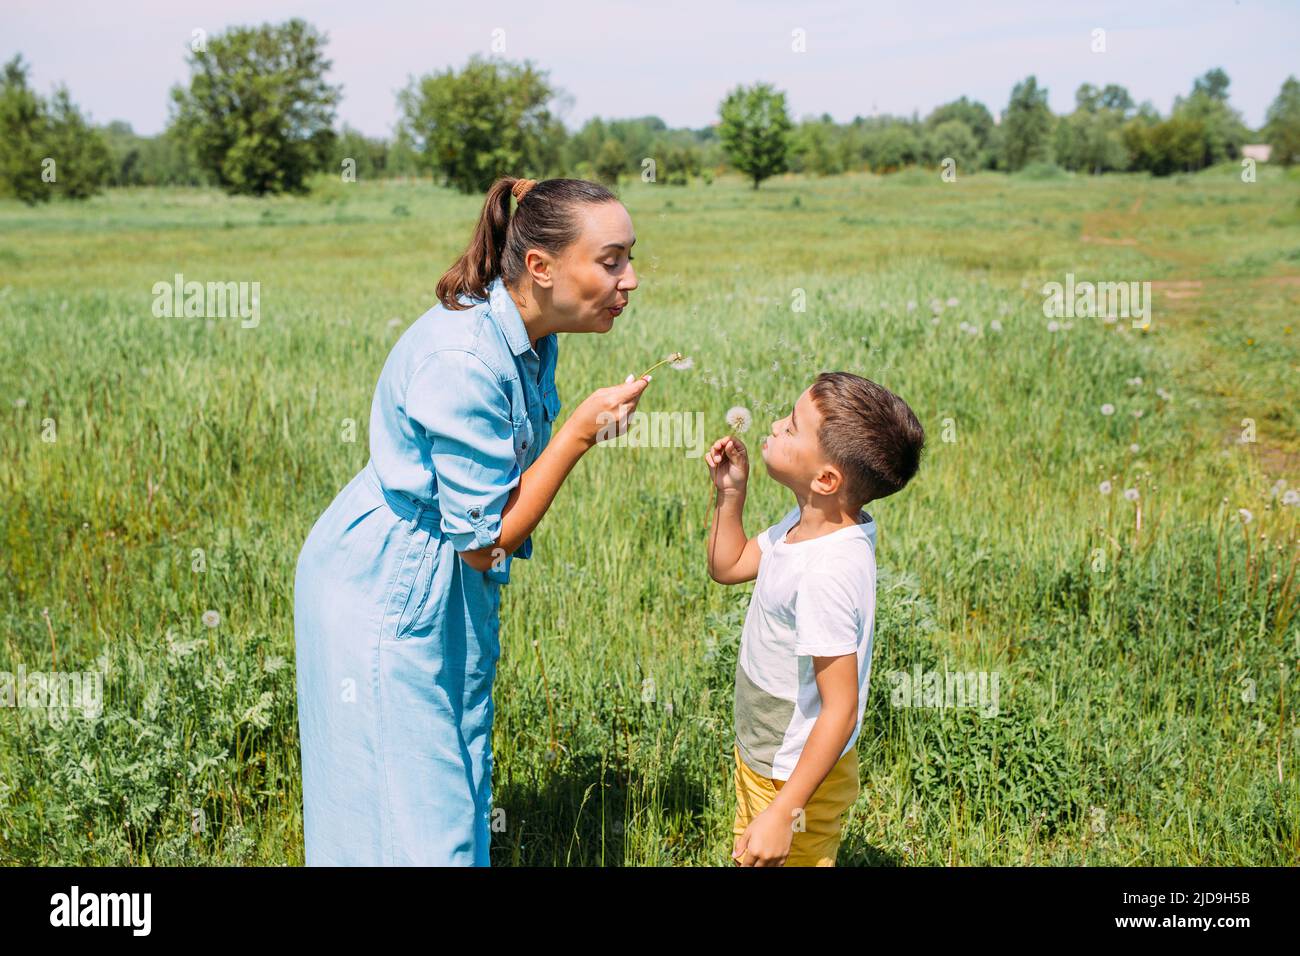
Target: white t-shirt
<point x="814" y="598"/>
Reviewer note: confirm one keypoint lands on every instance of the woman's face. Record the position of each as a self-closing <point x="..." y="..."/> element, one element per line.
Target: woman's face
<point x="594" y="277"/>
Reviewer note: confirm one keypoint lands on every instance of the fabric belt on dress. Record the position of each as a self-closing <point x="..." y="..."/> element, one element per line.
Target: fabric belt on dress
<point x="422" y="513"/>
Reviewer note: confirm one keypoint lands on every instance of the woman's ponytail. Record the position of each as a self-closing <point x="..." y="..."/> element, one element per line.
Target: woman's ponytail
<point x="480" y="263"/>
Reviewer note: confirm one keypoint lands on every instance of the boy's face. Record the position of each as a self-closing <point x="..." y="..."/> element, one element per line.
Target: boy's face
<point x="792" y="452"/>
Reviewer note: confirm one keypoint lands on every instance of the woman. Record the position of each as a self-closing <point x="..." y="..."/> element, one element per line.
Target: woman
<point x="398" y="585"/>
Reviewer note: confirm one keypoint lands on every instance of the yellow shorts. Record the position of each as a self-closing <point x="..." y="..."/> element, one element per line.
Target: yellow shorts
<point x="819" y="840"/>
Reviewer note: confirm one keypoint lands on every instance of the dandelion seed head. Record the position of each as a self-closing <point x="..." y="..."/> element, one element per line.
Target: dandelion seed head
<point x="1131" y="494"/>
<point x="1108" y="409"/>
<point x="1104" y="487"/>
<point x="738" y="418"/>
<point x="211" y="618"/>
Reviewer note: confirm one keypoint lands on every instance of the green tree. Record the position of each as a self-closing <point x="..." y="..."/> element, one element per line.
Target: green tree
<point x="755" y="131"/>
<point x="1091" y="138"/>
<point x="258" y="114"/>
<point x="23" y="131"/>
<point x="491" y="119"/>
<point x="610" y="161"/>
<point x="1027" y="125"/>
<point x="1222" y="129"/>
<point x="1282" y="124"/>
<point x="953" y="139"/>
<point x="83" y="164"/>
<point x="978" y="120"/>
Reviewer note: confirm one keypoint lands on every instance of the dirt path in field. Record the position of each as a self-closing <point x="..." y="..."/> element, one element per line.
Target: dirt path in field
<point x="1187" y="304"/>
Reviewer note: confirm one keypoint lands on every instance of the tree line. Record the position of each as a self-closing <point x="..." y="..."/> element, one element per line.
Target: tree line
<point x="257" y="116"/>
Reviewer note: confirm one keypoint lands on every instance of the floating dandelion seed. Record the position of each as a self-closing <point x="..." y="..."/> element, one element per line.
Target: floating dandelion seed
<point x="675" y="357"/>
<point x="211" y="618"/>
<point x="1104" y="487"/>
<point x="739" y="418"/>
<point x="1108" y="409"/>
<point x="1131" y="494"/>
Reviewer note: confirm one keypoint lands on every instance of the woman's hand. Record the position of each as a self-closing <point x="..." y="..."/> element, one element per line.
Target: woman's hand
<point x="728" y="463"/>
<point x="604" y="413"/>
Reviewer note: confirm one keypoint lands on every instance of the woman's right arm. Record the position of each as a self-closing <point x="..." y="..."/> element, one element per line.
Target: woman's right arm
<point x="602" y="414"/>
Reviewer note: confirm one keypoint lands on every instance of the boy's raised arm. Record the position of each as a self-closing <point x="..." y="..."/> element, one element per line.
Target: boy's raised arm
<point x="733" y="557"/>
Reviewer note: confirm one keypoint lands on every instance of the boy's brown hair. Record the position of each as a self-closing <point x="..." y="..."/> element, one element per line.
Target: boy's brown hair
<point x="869" y="433"/>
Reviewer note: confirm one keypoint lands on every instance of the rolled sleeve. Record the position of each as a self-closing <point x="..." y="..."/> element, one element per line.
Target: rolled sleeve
<point x="464" y="410"/>
<point x="828" y="611"/>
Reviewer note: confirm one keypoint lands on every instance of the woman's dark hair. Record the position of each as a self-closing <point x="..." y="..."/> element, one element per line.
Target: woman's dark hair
<point x="547" y="218"/>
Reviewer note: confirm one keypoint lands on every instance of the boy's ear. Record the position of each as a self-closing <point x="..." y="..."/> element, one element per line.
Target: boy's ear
<point x="829" y="481"/>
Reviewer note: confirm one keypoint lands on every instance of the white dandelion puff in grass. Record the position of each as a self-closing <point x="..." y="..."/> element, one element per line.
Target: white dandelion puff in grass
<point x="1053" y="326"/>
<point x="1245" y="515"/>
<point x="911" y="305"/>
<point x="1291" y="497"/>
<point x="1164" y="395"/>
<point x="1104" y="487"/>
<point x="1135" y="448"/>
<point x="952" y="300"/>
<point x="1108" y="409"/>
<point x="211" y="618"/>
<point x="995" y="325"/>
<point x="1135" y="381"/>
<point x="739" y="418"/>
<point x="1131" y="494"/>
<point x="20" y="402"/>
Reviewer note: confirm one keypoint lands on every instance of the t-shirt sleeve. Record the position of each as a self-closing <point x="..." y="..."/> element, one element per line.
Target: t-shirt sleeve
<point x="830" y="607"/>
<point x="770" y="535"/>
<point x="464" y="411"/>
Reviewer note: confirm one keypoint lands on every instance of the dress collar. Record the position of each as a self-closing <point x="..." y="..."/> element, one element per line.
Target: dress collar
<point x="508" y="318"/>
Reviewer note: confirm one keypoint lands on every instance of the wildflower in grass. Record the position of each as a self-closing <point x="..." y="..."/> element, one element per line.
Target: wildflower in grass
<point x="1104" y="487"/>
<point x="1053" y="326"/>
<point x="952" y="300"/>
<point x="1134" y="448"/>
<point x="211" y="618"/>
<point x="911" y="305"/>
<point x="1245" y="515"/>
<point x="1277" y="488"/>
<point x="1164" y="395"/>
<point x="1291" y="497"/>
<point x="936" y="306"/>
<point x="1137" y="413"/>
<point x="1135" y="381"/>
<point x="995" y="325"/>
<point x="1108" y="409"/>
<point x="969" y="329"/>
<point x="739" y="418"/>
<point x="1131" y="494"/>
<point x="20" y="402"/>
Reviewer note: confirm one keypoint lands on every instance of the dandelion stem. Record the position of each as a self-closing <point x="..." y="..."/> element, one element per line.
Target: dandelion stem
<point x="675" y="357"/>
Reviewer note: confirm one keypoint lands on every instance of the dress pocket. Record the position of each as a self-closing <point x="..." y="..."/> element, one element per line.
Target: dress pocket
<point x="417" y="595"/>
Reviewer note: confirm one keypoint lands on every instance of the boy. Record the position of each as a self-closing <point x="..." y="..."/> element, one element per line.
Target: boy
<point x="805" y="653"/>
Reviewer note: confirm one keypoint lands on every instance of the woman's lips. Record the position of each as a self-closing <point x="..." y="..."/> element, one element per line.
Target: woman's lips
<point x="614" y="310"/>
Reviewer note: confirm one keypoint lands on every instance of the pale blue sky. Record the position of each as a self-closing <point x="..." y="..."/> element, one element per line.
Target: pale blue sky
<point x="678" y="59"/>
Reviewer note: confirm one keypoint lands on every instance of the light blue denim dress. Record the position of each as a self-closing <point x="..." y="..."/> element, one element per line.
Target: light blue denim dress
<point x="396" y="636"/>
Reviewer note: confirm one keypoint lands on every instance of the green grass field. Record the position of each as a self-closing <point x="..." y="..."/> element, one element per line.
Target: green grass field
<point x="154" y="469"/>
